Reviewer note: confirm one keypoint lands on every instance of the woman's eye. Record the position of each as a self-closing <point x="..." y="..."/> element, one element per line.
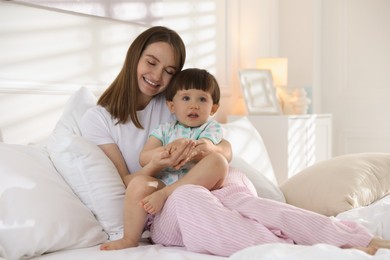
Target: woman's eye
<point x="170" y="72"/>
<point x="151" y="63"/>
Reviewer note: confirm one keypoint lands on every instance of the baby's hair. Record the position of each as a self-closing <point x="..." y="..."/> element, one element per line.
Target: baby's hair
<point x="194" y="79"/>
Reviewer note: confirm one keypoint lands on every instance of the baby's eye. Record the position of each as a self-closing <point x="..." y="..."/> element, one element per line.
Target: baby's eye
<point x="203" y="99"/>
<point x="186" y="98"/>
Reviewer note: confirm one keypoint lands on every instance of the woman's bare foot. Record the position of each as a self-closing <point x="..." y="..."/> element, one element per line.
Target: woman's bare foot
<point x="379" y="243"/>
<point x="118" y="244"/>
<point x="154" y="202"/>
<point x="369" y="250"/>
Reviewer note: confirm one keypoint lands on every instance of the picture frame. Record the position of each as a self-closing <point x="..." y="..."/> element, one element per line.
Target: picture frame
<point x="259" y="92"/>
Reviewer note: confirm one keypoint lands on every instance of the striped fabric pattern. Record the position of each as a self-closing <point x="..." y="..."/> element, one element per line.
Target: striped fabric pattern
<point x="232" y="218"/>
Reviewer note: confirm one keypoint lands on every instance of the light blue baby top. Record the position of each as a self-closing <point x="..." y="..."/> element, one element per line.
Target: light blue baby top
<point x="168" y="132"/>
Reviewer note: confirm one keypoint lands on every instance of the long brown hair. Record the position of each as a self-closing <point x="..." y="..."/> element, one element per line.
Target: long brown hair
<point x="120" y="98"/>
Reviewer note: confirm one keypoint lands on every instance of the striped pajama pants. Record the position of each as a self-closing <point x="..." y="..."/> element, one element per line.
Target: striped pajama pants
<point x="224" y="221"/>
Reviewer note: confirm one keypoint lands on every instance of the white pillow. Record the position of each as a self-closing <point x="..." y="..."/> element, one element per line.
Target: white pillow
<point x="264" y="187"/>
<point x="39" y="213"/>
<point x="74" y="110"/>
<point x="249" y="146"/>
<point x="92" y="176"/>
<point x="84" y="166"/>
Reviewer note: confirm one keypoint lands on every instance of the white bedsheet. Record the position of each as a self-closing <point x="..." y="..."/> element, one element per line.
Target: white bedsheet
<point x="376" y="217"/>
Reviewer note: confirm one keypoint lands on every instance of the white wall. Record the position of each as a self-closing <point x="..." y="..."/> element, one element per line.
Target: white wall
<point x="355" y="81"/>
<point x="46" y="46"/>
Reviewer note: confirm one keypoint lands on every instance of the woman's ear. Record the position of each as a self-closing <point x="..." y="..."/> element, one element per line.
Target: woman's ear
<point x="214" y="109"/>
<point x="171" y="107"/>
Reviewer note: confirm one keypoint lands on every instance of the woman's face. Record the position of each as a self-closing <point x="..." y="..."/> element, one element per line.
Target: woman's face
<point x="155" y="69"/>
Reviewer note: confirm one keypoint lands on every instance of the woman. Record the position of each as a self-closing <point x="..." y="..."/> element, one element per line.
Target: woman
<point x="219" y="222"/>
<point x="134" y="105"/>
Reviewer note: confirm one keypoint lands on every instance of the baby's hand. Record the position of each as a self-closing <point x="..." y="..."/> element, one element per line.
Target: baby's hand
<point x="203" y="147"/>
<point x="181" y="151"/>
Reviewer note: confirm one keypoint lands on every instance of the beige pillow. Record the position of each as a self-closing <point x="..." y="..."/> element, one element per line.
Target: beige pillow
<point x="341" y="183"/>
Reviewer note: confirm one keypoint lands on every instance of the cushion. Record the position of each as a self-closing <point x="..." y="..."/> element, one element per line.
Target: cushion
<point x="249" y="146"/>
<point x="263" y="186"/>
<point x="93" y="178"/>
<point x="74" y="109"/>
<point x="39" y="213"/>
<point x="341" y="183"/>
<point x="84" y="166"/>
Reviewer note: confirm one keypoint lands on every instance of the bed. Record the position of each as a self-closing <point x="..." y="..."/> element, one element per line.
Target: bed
<point x="61" y="197"/>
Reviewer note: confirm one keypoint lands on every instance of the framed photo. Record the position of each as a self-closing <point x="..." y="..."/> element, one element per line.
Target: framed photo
<point x="259" y="91"/>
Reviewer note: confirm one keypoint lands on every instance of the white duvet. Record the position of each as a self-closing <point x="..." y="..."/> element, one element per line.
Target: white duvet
<point x="378" y="213"/>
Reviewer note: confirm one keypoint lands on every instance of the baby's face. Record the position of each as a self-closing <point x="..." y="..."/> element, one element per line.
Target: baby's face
<point x="192" y="107"/>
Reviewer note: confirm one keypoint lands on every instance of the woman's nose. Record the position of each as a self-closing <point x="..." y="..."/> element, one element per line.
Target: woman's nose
<point x="157" y="74"/>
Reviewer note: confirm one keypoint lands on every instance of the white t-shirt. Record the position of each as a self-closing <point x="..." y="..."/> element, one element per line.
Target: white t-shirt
<point x="98" y="126"/>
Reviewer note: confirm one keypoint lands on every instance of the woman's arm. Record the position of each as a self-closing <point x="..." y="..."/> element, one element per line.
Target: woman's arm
<point x="152" y="146"/>
<point x="156" y="163"/>
<point x="114" y="154"/>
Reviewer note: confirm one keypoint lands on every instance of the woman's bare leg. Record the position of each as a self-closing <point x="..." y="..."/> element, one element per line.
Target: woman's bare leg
<point x="134" y="214"/>
<point x="210" y="172"/>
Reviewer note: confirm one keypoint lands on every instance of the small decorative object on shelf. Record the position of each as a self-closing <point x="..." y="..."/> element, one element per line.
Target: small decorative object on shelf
<point x="294" y="102"/>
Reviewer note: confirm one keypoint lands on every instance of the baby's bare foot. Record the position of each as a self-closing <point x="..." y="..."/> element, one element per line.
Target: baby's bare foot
<point x="118" y="244"/>
<point x="154" y="202"/>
